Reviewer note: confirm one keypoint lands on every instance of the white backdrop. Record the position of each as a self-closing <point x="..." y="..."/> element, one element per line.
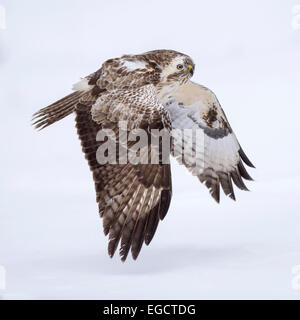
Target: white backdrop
<point x="51" y="239"/>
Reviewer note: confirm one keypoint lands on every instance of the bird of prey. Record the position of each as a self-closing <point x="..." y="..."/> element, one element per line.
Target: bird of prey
<point x="152" y="90"/>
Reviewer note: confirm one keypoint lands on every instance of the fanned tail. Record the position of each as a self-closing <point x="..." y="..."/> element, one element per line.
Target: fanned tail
<point x="56" y="111"/>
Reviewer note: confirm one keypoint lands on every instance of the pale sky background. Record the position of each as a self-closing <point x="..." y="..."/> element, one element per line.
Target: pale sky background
<point x="51" y="240"/>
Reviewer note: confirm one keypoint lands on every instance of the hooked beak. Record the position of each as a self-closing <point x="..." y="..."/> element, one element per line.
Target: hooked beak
<point x="190" y="69"/>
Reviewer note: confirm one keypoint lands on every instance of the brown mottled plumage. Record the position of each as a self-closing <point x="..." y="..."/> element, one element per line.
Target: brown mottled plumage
<point x="150" y="91"/>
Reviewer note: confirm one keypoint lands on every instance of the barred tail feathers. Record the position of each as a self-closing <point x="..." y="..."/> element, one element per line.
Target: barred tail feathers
<point x="56" y="111"/>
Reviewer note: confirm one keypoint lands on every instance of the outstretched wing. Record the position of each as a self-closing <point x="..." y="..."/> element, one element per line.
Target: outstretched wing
<point x="132" y="198"/>
<point x="211" y="149"/>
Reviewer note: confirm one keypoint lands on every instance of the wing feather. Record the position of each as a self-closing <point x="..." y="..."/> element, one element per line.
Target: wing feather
<point x="221" y="157"/>
<point x="128" y="195"/>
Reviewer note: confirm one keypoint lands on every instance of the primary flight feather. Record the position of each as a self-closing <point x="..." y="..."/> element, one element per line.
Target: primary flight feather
<point x="150" y="91"/>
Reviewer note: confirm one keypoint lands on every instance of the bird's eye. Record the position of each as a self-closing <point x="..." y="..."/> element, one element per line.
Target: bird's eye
<point x="179" y="66"/>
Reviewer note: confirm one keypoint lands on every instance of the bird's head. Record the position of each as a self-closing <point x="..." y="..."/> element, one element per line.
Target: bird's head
<point x="176" y="67"/>
<point x="179" y="69"/>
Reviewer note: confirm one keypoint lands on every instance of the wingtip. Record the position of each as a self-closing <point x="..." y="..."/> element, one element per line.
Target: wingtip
<point x="111" y="249"/>
<point x="245" y="158"/>
<point x="111" y="254"/>
<point x="147" y="241"/>
<point x="123" y="256"/>
<point x="217" y="199"/>
<point x="232" y="196"/>
<point x="134" y="256"/>
<point x="243" y="172"/>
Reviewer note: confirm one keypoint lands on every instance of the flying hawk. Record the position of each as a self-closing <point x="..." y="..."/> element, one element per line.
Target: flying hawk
<point x="152" y="90"/>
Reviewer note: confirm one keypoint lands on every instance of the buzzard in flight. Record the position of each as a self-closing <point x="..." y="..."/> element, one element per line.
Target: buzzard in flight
<point x="149" y="91"/>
